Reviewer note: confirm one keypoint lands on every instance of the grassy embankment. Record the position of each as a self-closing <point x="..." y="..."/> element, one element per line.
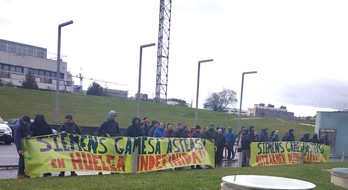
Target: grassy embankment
<point x="93" y="110"/>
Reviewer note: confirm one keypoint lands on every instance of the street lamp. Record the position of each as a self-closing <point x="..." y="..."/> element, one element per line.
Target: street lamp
<point x="58" y="68"/>
<point x="199" y="70"/>
<point x="139" y="81"/>
<point x="241" y="97"/>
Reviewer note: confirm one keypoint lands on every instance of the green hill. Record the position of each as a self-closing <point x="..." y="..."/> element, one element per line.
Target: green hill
<point x="93" y="110"/>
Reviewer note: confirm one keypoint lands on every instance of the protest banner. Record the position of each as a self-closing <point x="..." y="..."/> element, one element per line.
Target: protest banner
<point x="280" y="153"/>
<point x="67" y="152"/>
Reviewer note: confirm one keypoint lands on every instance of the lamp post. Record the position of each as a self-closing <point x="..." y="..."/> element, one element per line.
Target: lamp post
<point x="240" y="155"/>
<point x="241" y="97"/>
<point x="58" y="68"/>
<point x="139" y="80"/>
<point x="199" y="70"/>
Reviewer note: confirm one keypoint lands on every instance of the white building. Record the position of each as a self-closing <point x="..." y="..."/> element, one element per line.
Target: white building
<point x="17" y="59"/>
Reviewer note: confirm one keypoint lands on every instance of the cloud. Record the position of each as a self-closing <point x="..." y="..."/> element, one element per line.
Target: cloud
<point x="325" y="93"/>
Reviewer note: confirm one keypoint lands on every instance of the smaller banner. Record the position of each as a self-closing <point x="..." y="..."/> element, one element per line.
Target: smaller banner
<point x="67" y="152"/>
<point x="280" y="153"/>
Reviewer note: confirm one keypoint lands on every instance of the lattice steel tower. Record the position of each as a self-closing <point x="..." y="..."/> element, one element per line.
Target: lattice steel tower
<point x="163" y="50"/>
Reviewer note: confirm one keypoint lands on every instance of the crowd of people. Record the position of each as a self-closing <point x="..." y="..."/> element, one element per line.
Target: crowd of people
<point x="246" y="136"/>
<point x="223" y="140"/>
<point x="24" y="128"/>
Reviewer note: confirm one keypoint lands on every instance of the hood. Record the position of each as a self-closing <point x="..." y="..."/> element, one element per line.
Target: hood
<point x="111" y="114"/>
<point x="135" y="119"/>
<point x="230" y="130"/>
<point x="39" y="119"/>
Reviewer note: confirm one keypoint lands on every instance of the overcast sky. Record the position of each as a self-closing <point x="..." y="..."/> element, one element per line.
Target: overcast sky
<point x="298" y="47"/>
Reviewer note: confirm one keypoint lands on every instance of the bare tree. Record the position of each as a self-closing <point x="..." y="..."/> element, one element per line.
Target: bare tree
<point x="340" y="106"/>
<point x="218" y="101"/>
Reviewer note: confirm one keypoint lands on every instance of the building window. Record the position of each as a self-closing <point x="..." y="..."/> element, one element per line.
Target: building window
<point x="47" y="80"/>
<point x="68" y="83"/>
<point x="53" y="74"/>
<point x="41" y="54"/>
<point x="19" y="69"/>
<point x="36" y="72"/>
<point x="12" y="68"/>
<point x="13" y="49"/>
<point x="30" y="52"/>
<point x="6" y="68"/>
<point x="31" y="71"/>
<point x="7" y="74"/>
<point x="41" y="73"/>
<point x="3" y="47"/>
<point x="62" y="76"/>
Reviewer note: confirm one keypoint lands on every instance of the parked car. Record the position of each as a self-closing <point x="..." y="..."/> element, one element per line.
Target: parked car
<point x="5" y="132"/>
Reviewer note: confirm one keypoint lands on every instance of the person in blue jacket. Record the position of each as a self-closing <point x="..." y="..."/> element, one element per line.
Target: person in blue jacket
<point x="160" y="132"/>
<point x="230" y="138"/>
<point x="21" y="131"/>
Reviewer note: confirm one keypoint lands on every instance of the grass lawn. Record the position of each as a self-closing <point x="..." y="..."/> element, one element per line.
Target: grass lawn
<point x="189" y="179"/>
<point x="93" y="110"/>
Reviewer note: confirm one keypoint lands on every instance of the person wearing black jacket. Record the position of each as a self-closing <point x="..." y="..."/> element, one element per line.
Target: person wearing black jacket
<point x="220" y="145"/>
<point x="69" y="127"/>
<point x="21" y="131"/>
<point x="110" y="127"/>
<point x="39" y="128"/>
<point x="134" y="129"/>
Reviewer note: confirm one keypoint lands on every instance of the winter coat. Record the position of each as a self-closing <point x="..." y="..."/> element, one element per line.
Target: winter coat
<point x="70" y="128"/>
<point x="20" y="131"/>
<point x="40" y="126"/>
<point x="109" y="126"/>
<point x="196" y="134"/>
<point x="134" y="130"/>
<point x="159" y="132"/>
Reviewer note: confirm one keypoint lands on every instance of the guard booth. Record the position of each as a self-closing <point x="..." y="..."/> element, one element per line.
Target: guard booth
<point x="331" y="135"/>
<point x="335" y="126"/>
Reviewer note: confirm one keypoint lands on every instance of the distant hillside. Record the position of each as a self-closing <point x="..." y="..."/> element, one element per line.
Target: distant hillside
<point x="93" y="110"/>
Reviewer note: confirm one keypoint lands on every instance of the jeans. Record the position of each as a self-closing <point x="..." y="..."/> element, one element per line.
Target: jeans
<point x="246" y="157"/>
<point x="21" y="166"/>
<point x="230" y="152"/>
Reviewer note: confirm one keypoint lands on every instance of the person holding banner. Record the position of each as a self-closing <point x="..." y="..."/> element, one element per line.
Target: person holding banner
<point x="21" y="131"/>
<point x="180" y="131"/>
<point x="275" y="137"/>
<point x="160" y="132"/>
<point x="109" y="128"/>
<point x="134" y="129"/>
<point x="39" y="128"/>
<point x="197" y="132"/>
<point x="70" y="127"/>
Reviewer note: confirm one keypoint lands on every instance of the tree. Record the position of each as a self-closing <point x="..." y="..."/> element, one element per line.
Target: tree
<point x="96" y="90"/>
<point x="218" y="101"/>
<point x="342" y="105"/>
<point x="30" y="81"/>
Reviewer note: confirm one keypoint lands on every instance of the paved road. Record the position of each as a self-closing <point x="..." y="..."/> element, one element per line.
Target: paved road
<point x="8" y="154"/>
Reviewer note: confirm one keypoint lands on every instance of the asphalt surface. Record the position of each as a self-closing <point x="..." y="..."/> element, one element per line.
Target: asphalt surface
<point x="9" y="162"/>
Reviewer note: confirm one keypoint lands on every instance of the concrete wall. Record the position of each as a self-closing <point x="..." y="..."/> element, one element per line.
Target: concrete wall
<point x="339" y="122"/>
